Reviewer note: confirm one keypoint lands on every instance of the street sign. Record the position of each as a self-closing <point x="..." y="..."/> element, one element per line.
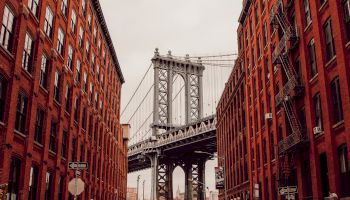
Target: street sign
<point x="288" y="190"/>
<point x="76" y="186"/>
<point x="78" y="165"/>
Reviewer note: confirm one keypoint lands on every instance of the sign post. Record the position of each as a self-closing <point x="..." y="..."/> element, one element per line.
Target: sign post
<point x="76" y="185"/>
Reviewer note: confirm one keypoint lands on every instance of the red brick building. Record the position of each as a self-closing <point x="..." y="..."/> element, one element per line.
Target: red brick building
<point x="60" y="84"/>
<point x="232" y="134"/>
<point x="295" y="56"/>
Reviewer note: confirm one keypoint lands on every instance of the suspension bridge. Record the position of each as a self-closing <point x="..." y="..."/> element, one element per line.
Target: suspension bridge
<point x="172" y="116"/>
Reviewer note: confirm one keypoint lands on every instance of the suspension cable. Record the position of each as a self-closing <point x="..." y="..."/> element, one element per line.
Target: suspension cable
<point x="138" y="87"/>
<point x="150" y="89"/>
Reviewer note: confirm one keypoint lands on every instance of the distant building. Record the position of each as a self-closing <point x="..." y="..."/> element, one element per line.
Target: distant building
<point x="131" y="194"/>
<point x="179" y="195"/>
<point x="213" y="195"/>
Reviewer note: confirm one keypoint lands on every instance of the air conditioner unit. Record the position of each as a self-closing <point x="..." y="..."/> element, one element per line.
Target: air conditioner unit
<point x="268" y="75"/>
<point x="275" y="68"/>
<point x="317" y="130"/>
<point x="268" y="116"/>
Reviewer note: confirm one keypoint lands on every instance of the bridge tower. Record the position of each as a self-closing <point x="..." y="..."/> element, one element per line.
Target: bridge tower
<point x="165" y="68"/>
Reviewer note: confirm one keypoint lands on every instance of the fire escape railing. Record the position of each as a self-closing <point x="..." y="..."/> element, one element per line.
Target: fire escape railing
<point x="280" y="56"/>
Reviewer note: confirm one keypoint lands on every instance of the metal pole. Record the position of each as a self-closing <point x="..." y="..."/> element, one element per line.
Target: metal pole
<point x="225" y="186"/>
<point x="137" y="187"/>
<point x="143" y="190"/>
<point x="76" y="184"/>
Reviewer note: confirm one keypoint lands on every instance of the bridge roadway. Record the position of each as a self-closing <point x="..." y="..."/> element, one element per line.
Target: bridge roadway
<point x="174" y="148"/>
<point x="179" y="143"/>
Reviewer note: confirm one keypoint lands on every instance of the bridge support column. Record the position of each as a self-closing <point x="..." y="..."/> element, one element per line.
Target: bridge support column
<point x="154" y="167"/>
<point x="164" y="180"/>
<point x="195" y="180"/>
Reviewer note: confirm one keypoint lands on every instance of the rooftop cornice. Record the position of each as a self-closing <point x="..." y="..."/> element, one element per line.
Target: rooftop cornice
<point x="102" y="21"/>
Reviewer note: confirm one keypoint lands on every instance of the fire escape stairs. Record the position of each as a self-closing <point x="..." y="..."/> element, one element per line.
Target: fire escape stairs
<point x="290" y="89"/>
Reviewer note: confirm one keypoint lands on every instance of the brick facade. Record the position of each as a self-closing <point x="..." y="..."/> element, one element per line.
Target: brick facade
<point x="88" y="117"/>
<point x="284" y="147"/>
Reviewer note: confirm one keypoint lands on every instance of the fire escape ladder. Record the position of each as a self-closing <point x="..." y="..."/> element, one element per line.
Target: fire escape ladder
<point x="280" y="56"/>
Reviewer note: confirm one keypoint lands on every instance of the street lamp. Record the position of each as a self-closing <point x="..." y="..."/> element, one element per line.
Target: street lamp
<point x="137" y="187"/>
<point x="143" y="191"/>
<point x="224" y="168"/>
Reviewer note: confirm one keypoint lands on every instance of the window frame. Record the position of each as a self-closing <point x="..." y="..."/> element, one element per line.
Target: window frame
<point x="7" y="29"/>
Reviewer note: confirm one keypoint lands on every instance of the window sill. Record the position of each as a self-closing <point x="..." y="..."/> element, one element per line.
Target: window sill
<point x="9" y="55"/>
<point x="51" y="153"/>
<point x="43" y="89"/>
<point x="37" y="144"/>
<point x="319" y="135"/>
<point x="308" y="27"/>
<point x="338" y="125"/>
<point x="27" y="74"/>
<point x="323" y="7"/>
<point x="314" y="79"/>
<point x="2" y="124"/>
<point x="347" y="46"/>
<point x="23" y="136"/>
<point x="56" y="103"/>
<point x="331" y="63"/>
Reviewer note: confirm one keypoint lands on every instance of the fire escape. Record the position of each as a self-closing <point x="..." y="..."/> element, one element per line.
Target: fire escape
<point x="286" y="96"/>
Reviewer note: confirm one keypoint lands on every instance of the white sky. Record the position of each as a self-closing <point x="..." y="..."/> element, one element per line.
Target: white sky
<point x="197" y="27"/>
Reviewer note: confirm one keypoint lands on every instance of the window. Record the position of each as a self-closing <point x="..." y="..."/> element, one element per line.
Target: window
<point x="85" y="82"/>
<point x="73" y="150"/>
<point x="307" y="12"/>
<point x="265" y="34"/>
<point x="81" y="37"/>
<point x="83" y="6"/>
<point x="272" y="146"/>
<point x="60" y="41"/>
<point x="318" y="110"/>
<point x="61" y="187"/>
<point x="344" y="170"/>
<point x="6" y="34"/>
<point x="48" y="22"/>
<point x="39" y="126"/>
<point x="82" y="152"/>
<point x="87" y="47"/>
<point x="68" y="98"/>
<point x="73" y="22"/>
<point x="95" y="35"/>
<point x="76" y="109"/>
<point x="33" y="183"/>
<point x="312" y="58"/>
<point x="78" y="74"/>
<point x="43" y="71"/>
<point x="14" y="179"/>
<point x="27" y="53"/>
<point x="33" y="6"/>
<point x="336" y="101"/>
<point x="48" y="185"/>
<point x="53" y="133"/>
<point x="91" y="91"/>
<point x="64" y="7"/>
<point x="329" y="41"/>
<point x="89" y="22"/>
<point x="84" y="118"/>
<point x="57" y="83"/>
<point x="70" y="57"/>
<point x="3" y="91"/>
<point x="322" y="2"/>
<point x="21" y="114"/>
<point x="64" y="144"/>
<point x="346" y="7"/>
<point x="324" y="174"/>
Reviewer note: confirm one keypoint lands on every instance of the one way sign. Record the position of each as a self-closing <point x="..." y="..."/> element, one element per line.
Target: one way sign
<point x="78" y="165"/>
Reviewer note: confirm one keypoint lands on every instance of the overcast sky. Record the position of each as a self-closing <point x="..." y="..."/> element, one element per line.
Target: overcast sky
<point x="197" y="27"/>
